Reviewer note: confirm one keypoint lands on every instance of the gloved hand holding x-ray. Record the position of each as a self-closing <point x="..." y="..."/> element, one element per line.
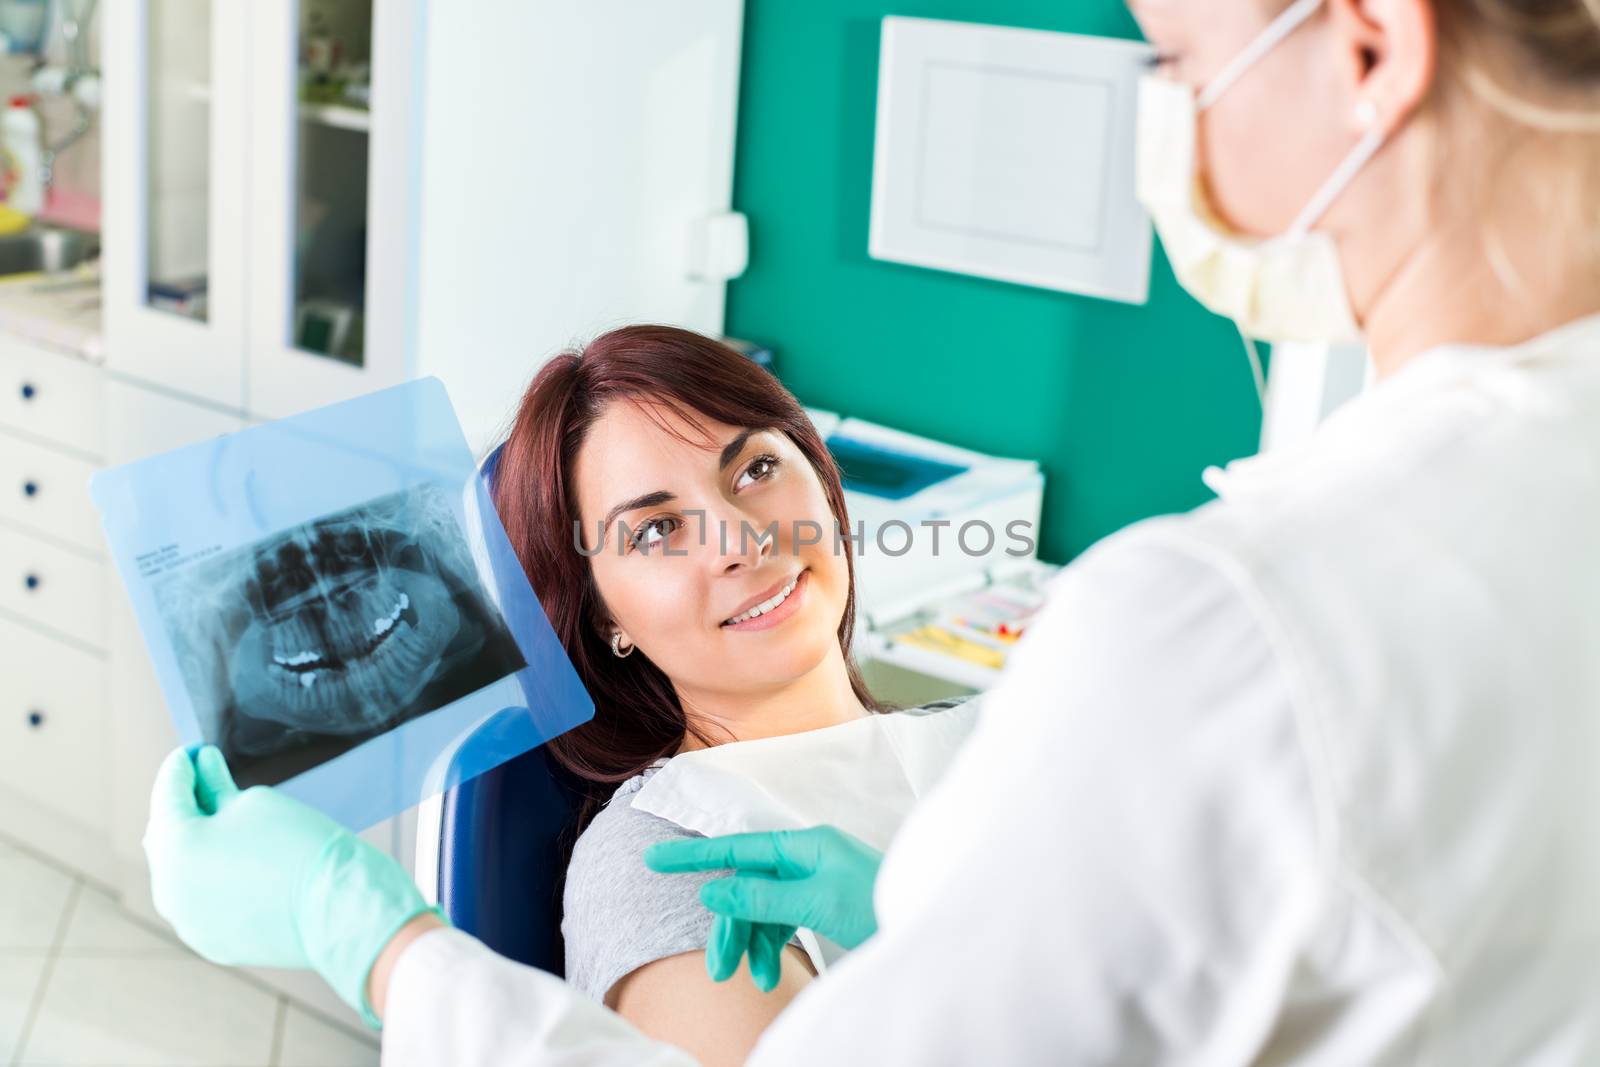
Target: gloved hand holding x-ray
<point x="331" y="600"/>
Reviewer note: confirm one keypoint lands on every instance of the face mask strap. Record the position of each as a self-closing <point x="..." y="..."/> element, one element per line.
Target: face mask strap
<point x="1265" y="41"/>
<point x="1342" y="176"/>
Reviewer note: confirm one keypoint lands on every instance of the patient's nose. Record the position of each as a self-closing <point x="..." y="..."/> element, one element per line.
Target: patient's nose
<point x="739" y="542"/>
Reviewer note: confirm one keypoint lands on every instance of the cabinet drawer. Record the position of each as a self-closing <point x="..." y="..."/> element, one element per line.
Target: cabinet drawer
<point x="141" y="422"/>
<point x="48" y="491"/>
<point x="53" y="586"/>
<point x="53" y="724"/>
<point x="50" y="395"/>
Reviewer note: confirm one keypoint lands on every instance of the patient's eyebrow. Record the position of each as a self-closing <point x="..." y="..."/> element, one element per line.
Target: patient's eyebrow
<point x="730" y="452"/>
<point x="648" y="500"/>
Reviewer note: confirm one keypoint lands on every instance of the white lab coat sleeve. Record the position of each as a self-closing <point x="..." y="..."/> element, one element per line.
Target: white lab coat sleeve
<point x="453" y="1002"/>
<point x="1124" y="864"/>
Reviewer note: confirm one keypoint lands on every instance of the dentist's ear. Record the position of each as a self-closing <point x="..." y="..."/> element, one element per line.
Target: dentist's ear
<point x="1389" y="52"/>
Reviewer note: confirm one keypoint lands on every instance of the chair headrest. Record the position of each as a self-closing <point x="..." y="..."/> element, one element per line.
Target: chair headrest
<point x="490" y="466"/>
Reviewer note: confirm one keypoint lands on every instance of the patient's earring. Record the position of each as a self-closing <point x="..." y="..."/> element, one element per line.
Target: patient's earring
<point x="616" y="642"/>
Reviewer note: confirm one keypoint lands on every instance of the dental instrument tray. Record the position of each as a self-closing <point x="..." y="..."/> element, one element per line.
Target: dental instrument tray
<point x="331" y="600"/>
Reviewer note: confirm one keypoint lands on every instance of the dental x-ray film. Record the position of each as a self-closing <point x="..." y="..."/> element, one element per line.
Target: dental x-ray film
<point x="332" y="601"/>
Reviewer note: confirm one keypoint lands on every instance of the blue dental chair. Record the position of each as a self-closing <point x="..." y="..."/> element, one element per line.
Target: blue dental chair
<point x="502" y="839"/>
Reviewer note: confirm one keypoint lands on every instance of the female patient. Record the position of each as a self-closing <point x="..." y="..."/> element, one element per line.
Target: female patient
<point x="710" y="604"/>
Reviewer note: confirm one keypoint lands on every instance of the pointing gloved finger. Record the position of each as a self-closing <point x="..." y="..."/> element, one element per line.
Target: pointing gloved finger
<point x="213" y="781"/>
<point x="744" y="852"/>
<point x="730" y="938"/>
<point x="760" y="899"/>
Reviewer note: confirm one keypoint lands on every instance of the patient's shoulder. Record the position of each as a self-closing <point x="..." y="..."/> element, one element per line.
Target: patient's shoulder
<point x="617" y="914"/>
<point x="619" y="833"/>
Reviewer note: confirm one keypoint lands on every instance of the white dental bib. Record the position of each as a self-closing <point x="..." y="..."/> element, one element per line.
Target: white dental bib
<point x="862" y="776"/>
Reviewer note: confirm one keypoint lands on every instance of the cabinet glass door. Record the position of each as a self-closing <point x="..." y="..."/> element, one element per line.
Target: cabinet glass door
<point x="335" y="137"/>
<point x="178" y="156"/>
<point x="174" y="205"/>
<point x="333" y="97"/>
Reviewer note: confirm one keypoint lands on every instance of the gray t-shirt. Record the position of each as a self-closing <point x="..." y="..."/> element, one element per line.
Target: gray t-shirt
<point x="617" y="914"/>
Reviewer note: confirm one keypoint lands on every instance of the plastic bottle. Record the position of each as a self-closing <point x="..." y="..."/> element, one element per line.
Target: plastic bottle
<point x="24" y="149"/>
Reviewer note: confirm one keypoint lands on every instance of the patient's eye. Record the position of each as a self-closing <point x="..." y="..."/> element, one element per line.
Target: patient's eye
<point x="652" y="532"/>
<point x="760" y="469"/>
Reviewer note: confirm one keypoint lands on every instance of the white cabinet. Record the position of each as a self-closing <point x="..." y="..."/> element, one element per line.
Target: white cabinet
<point x="51" y="397"/>
<point x="311" y="199"/>
<point x="54" y="708"/>
<point x="53" y="724"/>
<point x="46" y="493"/>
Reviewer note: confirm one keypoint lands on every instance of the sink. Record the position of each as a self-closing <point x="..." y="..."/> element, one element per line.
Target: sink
<point x="46" y="248"/>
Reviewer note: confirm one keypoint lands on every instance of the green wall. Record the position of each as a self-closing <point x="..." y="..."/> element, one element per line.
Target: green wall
<point x="1122" y="405"/>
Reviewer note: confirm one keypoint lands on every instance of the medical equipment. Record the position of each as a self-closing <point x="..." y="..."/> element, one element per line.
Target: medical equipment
<point x="931" y="524"/>
<point x="928" y="519"/>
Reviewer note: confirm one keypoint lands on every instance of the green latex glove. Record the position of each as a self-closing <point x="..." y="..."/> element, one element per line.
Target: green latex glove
<point x="255" y="878"/>
<point x="820" y="878"/>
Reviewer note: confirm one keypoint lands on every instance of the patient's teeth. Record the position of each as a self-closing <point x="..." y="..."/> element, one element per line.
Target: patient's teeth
<point x="766" y="605"/>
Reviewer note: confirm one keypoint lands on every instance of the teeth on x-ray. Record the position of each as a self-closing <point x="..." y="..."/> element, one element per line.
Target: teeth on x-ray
<point x="310" y="661"/>
<point x="340" y="628"/>
<point x="349" y="625"/>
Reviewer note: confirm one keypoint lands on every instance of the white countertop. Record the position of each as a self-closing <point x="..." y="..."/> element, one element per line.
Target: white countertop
<point x="60" y="310"/>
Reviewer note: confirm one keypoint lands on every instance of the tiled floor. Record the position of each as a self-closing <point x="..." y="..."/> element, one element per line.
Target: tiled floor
<point x="84" y="983"/>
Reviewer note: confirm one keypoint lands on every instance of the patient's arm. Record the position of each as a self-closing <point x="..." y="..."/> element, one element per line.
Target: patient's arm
<point x="675" y="1000"/>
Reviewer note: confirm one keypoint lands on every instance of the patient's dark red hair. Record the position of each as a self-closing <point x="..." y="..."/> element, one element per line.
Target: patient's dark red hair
<point x="638" y="718"/>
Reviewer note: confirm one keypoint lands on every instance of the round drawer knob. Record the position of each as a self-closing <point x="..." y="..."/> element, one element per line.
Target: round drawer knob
<point x="31" y="581"/>
<point x="30" y="488"/>
<point x="29" y="391"/>
<point x="35" y="719"/>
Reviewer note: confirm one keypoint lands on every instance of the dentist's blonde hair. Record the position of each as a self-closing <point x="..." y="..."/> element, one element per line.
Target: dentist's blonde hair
<point x="1524" y="76"/>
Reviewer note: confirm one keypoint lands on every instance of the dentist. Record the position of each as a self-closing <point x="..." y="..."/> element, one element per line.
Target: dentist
<point x="1310" y="775"/>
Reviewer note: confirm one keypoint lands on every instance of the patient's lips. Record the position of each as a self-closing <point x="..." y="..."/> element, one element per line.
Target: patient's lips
<point x="774" y="610"/>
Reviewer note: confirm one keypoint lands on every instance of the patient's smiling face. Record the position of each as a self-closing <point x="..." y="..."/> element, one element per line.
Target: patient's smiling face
<point x="674" y="585"/>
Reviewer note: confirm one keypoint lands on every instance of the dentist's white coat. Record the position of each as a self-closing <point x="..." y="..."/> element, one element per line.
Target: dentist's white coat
<point x="1309" y="776"/>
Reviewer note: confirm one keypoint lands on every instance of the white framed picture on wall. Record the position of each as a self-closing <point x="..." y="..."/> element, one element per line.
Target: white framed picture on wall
<point x="1009" y="154"/>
